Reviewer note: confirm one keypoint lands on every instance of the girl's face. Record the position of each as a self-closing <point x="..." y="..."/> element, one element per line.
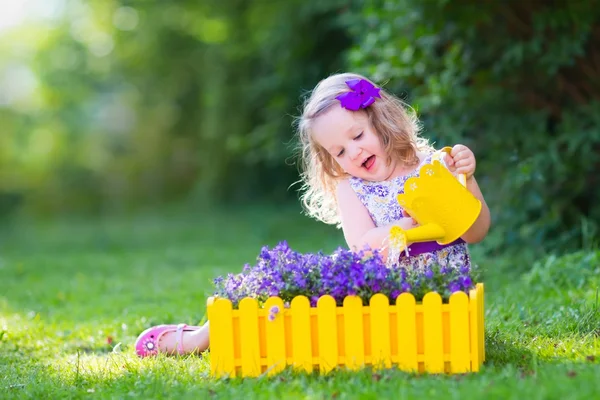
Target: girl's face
<point x="349" y="138"/>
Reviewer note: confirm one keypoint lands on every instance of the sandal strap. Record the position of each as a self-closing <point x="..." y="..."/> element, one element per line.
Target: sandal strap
<point x="179" y="336"/>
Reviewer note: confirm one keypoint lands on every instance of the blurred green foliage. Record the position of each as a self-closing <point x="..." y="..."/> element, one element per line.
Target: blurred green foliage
<point x="115" y="104"/>
<point x="138" y="103"/>
<point x="517" y="81"/>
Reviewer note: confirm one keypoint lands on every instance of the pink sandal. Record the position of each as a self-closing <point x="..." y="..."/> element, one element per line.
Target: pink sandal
<point x="147" y="343"/>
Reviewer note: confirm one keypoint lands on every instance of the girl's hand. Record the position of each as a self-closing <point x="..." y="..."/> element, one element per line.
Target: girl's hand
<point x="461" y="160"/>
<point x="406" y="222"/>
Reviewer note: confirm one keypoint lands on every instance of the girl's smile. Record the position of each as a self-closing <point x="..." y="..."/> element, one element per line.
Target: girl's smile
<point x="368" y="163"/>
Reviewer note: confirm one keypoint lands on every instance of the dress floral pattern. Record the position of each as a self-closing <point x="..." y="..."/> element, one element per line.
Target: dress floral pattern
<point x="380" y="199"/>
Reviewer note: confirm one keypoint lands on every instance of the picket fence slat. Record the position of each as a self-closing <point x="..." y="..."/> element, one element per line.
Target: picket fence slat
<point x="407" y="332"/>
<point x="427" y="337"/>
<point x="432" y="332"/>
<point x="249" y="339"/>
<point x="381" y="354"/>
<point x="301" y="334"/>
<point x="474" y="334"/>
<point x="328" y="334"/>
<point x="221" y="339"/>
<point x="275" y="331"/>
<point x="480" y="303"/>
<point x="459" y="334"/>
<point x="353" y="330"/>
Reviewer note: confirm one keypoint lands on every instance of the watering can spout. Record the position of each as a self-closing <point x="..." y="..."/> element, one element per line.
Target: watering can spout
<point x="401" y="238"/>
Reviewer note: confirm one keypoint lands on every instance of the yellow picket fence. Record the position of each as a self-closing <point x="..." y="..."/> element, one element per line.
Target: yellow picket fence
<point x="421" y="337"/>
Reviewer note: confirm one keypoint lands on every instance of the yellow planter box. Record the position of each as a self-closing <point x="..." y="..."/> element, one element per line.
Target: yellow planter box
<point x="426" y="337"/>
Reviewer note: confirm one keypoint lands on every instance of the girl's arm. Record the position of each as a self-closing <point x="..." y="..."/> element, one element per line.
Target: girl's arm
<point x="357" y="225"/>
<point x="480" y="228"/>
<point x="461" y="160"/>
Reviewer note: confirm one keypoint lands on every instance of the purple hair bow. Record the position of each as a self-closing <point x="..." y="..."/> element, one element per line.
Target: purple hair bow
<point x="362" y="95"/>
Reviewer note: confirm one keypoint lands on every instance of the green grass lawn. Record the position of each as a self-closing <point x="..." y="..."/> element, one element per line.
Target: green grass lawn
<point x="74" y="295"/>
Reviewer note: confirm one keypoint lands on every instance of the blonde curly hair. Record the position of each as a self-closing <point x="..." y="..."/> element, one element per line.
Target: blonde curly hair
<point x="393" y="121"/>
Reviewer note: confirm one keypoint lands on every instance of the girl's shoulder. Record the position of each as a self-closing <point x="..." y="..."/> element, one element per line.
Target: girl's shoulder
<point x="360" y="187"/>
<point x="353" y="183"/>
<point x="350" y="192"/>
<point x="343" y="184"/>
<point x="349" y="185"/>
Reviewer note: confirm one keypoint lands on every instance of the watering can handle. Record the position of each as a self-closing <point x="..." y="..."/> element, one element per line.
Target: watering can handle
<point x="462" y="178"/>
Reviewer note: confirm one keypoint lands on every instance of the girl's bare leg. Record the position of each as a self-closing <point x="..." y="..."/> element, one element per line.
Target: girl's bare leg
<point x="193" y="341"/>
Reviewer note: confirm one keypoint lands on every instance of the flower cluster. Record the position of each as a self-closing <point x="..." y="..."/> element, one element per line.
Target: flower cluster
<point x="286" y="273"/>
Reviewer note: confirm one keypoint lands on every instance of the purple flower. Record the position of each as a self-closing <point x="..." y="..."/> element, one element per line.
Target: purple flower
<point x="283" y="272"/>
<point x="467" y="283"/>
<point x="428" y="273"/>
<point x="403" y="274"/>
<point x="454" y="286"/>
<point x="264" y="253"/>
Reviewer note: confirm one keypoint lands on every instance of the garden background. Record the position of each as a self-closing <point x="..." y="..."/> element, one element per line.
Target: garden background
<point x="147" y="147"/>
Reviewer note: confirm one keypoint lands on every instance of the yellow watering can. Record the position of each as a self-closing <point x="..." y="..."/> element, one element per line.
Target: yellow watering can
<point x="440" y="203"/>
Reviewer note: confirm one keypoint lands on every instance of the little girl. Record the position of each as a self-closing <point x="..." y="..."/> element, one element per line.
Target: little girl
<point x="359" y="145"/>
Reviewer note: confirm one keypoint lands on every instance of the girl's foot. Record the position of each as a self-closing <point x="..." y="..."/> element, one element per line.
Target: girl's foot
<point x="172" y="339"/>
